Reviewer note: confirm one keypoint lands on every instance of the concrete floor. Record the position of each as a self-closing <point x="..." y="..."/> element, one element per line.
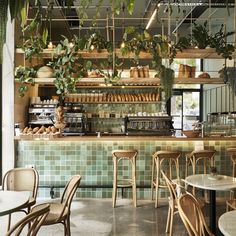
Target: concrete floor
<point x="96" y="217"/>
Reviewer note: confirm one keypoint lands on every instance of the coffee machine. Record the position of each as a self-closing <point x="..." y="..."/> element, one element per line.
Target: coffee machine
<point x="75" y="119"/>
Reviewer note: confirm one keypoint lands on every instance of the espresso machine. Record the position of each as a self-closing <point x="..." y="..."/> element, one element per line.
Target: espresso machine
<point x="41" y="114"/>
<point x="75" y="119"/>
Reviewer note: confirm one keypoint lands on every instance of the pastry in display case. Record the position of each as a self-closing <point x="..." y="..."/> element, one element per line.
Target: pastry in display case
<point x="220" y="124"/>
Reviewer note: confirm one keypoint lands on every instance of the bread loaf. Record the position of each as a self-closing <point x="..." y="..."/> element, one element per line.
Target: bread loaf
<point x="35" y="130"/>
<point x="25" y="130"/>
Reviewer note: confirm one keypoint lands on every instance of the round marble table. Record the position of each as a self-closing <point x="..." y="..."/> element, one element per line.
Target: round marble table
<point x="227" y="224"/>
<point x="219" y="183"/>
<point x="11" y="201"/>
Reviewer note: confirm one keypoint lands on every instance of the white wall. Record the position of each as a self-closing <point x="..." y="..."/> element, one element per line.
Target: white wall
<point x="8" y="100"/>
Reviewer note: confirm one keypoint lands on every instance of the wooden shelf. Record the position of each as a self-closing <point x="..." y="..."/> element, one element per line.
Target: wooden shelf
<point x="139" y="82"/>
<point x="132" y="102"/>
<point x="199" y="81"/>
<point x="186" y="53"/>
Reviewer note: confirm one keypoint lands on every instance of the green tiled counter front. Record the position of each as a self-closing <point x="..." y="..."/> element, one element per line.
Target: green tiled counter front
<point x="57" y="160"/>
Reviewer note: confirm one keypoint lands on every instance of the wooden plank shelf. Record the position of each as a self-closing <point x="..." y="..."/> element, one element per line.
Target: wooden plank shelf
<point x="120" y="102"/>
<point x="100" y="82"/>
<point x="185" y="54"/>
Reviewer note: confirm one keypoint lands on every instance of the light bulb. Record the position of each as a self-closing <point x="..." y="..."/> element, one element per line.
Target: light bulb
<point x="122" y="45"/>
<point x="50" y="45"/>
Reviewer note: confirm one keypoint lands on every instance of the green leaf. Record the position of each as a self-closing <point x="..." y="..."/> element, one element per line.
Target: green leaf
<point x="129" y="29"/>
<point x="88" y="65"/>
<point x="24" y="13"/>
<point x="130" y="6"/>
<point x="45" y="35"/>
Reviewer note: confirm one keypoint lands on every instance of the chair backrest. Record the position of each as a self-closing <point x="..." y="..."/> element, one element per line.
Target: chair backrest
<point x="35" y="219"/>
<point x="69" y="192"/>
<point x="22" y="179"/>
<point x="170" y="157"/>
<point x="203" y="154"/>
<point x="192" y="216"/>
<point x="171" y="187"/>
<point x="124" y="154"/>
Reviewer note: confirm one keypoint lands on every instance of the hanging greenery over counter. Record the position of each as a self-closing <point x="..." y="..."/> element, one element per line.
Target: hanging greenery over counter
<point x="66" y="62"/>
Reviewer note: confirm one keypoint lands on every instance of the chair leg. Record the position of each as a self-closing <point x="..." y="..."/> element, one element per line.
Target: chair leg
<point x="134" y="183"/>
<point x="114" y="193"/>
<point x="156" y="196"/>
<point x="152" y="185"/>
<point x="65" y="228"/>
<point x="168" y="221"/>
<point x="68" y="226"/>
<point x="9" y="222"/>
<point x="171" y="221"/>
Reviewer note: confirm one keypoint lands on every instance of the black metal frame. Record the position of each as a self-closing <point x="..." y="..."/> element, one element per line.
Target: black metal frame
<point x="180" y="92"/>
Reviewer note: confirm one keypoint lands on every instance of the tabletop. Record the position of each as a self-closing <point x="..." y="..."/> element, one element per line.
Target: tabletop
<point x="206" y="181"/>
<point x="11" y="201"/>
<point x="227" y="224"/>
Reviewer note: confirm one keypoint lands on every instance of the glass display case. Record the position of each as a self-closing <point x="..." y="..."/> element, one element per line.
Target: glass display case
<point x="220" y="124"/>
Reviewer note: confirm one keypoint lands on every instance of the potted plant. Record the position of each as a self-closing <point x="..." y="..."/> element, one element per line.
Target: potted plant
<point x="200" y="34"/>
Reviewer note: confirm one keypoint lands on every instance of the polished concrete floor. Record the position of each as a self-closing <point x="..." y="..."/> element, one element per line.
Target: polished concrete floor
<point x="96" y="217"/>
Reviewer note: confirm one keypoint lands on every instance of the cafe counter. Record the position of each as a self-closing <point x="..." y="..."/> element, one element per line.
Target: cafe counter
<point x="90" y="156"/>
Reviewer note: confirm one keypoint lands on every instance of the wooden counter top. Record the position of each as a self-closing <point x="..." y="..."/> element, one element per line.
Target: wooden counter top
<point x="129" y="138"/>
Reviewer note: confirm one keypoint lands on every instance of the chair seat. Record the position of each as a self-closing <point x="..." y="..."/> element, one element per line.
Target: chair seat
<point x="54" y="214"/>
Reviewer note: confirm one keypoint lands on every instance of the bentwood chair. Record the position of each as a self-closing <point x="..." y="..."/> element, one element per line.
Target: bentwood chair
<point x="131" y="156"/>
<point x="232" y="201"/>
<point x="22" y="179"/>
<point x="191" y="214"/>
<point x="60" y="212"/>
<point x="194" y="158"/>
<point x="34" y="219"/>
<point x="164" y="160"/>
<point x="175" y="191"/>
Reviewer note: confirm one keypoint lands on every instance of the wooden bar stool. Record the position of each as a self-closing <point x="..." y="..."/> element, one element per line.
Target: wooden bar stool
<point x="129" y="155"/>
<point x="195" y="156"/>
<point x="231" y="203"/>
<point x="232" y="152"/>
<point x="158" y="160"/>
<point x="193" y="159"/>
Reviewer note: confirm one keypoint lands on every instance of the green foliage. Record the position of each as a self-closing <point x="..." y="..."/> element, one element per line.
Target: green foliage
<point x="96" y="41"/>
<point x="167" y="77"/>
<point x="218" y="41"/>
<point x="26" y="76"/>
<point x="36" y="33"/>
<point x="159" y="48"/>
<point x="201" y="37"/>
<point x="67" y="66"/>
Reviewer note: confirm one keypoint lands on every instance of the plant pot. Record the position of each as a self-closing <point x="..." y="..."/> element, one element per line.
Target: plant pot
<point x="45" y="72"/>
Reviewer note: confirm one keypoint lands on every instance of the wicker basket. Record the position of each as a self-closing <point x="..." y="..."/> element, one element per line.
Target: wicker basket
<point x="191" y="133"/>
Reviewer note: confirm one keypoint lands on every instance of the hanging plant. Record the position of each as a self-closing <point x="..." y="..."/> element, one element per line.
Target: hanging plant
<point x="63" y="65"/>
<point x="97" y="42"/>
<point x="25" y="76"/>
<point x="201" y="37"/>
<point x="135" y="42"/>
<point x="18" y="9"/>
<point x="167" y="77"/>
<point x="229" y="76"/>
<point x="218" y="41"/>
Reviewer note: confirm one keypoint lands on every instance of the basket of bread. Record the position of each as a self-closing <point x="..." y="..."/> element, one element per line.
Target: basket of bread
<point x="39" y="132"/>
